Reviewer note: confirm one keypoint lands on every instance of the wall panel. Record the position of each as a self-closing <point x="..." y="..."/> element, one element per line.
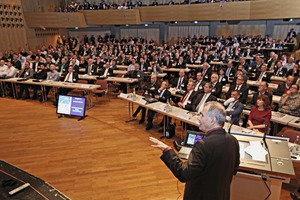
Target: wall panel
<point x="185" y="31"/>
<point x="147" y="33"/>
<point x="226" y="30"/>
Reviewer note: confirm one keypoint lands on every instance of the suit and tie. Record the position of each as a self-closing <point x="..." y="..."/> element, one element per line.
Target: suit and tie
<point x="201" y="100"/>
<point x="180" y="83"/>
<point x="234" y="110"/>
<point x="217" y="89"/>
<point x="189" y="99"/>
<point x="243" y="89"/>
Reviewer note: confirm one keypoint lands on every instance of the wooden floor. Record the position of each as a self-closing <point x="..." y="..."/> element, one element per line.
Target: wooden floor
<point x="100" y="157"/>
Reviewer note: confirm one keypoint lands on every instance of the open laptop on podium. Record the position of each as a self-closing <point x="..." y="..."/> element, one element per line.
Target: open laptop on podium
<point x="190" y="140"/>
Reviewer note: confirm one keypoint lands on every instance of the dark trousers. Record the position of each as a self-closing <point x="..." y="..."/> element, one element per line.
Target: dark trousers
<point x="140" y="108"/>
<point x="24" y="88"/>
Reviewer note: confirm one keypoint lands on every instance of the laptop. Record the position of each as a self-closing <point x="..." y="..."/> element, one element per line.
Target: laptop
<point x="190" y="140"/>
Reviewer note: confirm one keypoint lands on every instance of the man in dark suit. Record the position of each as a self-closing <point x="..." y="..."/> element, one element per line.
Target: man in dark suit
<point x="241" y="87"/>
<point x="230" y="71"/>
<point x="204" y="97"/>
<point x="294" y="71"/>
<point x="262" y="90"/>
<point x="284" y="87"/>
<point x="63" y="67"/>
<point x="199" y="83"/>
<point x="27" y="72"/>
<point x="136" y="73"/>
<point x="263" y="75"/>
<point x="189" y="97"/>
<point x="234" y="108"/>
<point x="203" y="181"/>
<point x="143" y="65"/>
<point x="106" y="71"/>
<point x="279" y="70"/>
<point x="150" y="89"/>
<point x="91" y="68"/>
<point x="216" y="86"/>
<point x="71" y="77"/>
<point x="206" y="72"/>
<point x="163" y="95"/>
<point x="40" y="74"/>
<point x="36" y="64"/>
<point x="167" y="62"/>
<point x="181" y="63"/>
<point x="180" y="82"/>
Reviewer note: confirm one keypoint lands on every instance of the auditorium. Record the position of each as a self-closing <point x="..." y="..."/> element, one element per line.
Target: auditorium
<point x="150" y="100"/>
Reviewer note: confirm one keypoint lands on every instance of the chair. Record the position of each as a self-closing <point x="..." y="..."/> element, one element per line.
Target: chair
<point x="289" y="133"/>
<point x="78" y="90"/>
<point x="102" y="90"/>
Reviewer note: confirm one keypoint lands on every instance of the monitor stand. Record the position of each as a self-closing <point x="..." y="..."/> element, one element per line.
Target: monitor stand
<point x="80" y="118"/>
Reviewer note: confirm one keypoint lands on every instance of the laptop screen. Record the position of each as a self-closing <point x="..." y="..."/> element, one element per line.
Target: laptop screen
<point x="192" y="137"/>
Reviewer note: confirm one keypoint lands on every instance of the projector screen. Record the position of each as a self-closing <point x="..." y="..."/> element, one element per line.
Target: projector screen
<point x="71" y="105"/>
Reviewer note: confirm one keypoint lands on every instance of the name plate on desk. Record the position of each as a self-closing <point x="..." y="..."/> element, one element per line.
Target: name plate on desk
<point x="123" y="95"/>
<point x="84" y="86"/>
<point x="159" y="107"/>
<point x="278" y="115"/>
<point x="185" y="116"/>
<point x="142" y="101"/>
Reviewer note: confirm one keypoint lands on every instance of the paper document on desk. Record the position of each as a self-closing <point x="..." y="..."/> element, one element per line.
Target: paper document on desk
<point x="278" y="115"/>
<point x="242" y="150"/>
<point x="256" y="151"/>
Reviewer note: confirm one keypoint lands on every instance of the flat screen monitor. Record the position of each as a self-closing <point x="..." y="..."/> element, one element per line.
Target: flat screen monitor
<point x="71" y="105"/>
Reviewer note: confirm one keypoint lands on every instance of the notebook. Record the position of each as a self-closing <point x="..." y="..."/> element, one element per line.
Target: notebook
<point x="190" y="140"/>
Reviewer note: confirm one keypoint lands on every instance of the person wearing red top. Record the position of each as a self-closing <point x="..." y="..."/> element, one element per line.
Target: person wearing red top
<point x="260" y="115"/>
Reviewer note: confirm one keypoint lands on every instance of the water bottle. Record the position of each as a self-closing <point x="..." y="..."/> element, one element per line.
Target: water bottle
<point x="133" y="95"/>
<point x="295" y="150"/>
<point x="167" y="108"/>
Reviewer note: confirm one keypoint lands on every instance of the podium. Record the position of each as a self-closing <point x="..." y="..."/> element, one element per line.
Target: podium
<point x="260" y="179"/>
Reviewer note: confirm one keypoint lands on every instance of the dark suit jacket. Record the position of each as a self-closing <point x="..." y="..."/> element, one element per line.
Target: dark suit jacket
<point x="93" y="70"/>
<point x="169" y="65"/>
<point x="207" y="75"/>
<point x="211" y="97"/>
<point x="200" y="87"/>
<point x="217" y="90"/>
<point x="224" y="80"/>
<point x="291" y="72"/>
<point x="235" y="113"/>
<point x="281" y="73"/>
<point x="135" y="74"/>
<point x="166" y="95"/>
<point x="145" y="66"/>
<point x="65" y="68"/>
<point x="243" y="92"/>
<point x="266" y="77"/>
<point x="75" y="77"/>
<point x="109" y="73"/>
<point x="255" y="96"/>
<point x="280" y="90"/>
<point x="40" y="75"/>
<point x="36" y="65"/>
<point x="191" y="100"/>
<point x="183" y="84"/>
<point x="204" y="177"/>
<point x="152" y="89"/>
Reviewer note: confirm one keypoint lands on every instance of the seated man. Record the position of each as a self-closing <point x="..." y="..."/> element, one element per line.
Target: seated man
<point x="52" y="75"/>
<point x="240" y="86"/>
<point x="189" y="98"/>
<point x="262" y="89"/>
<point x="180" y="82"/>
<point x="136" y="73"/>
<point x="40" y="74"/>
<point x="71" y="77"/>
<point x="203" y="98"/>
<point x="216" y="86"/>
<point x="27" y="72"/>
<point x="163" y="95"/>
<point x="290" y="102"/>
<point x="106" y="70"/>
<point x="234" y="108"/>
<point x="283" y="88"/>
<point x="199" y="83"/>
<point x="150" y="89"/>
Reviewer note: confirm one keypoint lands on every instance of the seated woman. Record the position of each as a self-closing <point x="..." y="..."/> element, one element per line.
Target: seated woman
<point x="260" y="115"/>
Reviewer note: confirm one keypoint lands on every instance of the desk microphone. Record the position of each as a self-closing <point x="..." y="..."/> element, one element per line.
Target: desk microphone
<point x="229" y="129"/>
<point x="264" y="140"/>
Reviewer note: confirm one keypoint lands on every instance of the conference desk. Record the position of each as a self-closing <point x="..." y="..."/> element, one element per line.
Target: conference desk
<point x="175" y="69"/>
<point x="248" y="183"/>
<point x="295" y="122"/>
<point x="55" y="85"/>
<point x="194" y="66"/>
<point x="124" y="67"/>
<point x="122" y="72"/>
<point x="278" y="78"/>
<point x="273" y="86"/>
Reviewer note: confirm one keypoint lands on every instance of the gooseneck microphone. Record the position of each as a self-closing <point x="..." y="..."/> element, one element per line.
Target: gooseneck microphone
<point x="264" y="140"/>
<point x="229" y="129"/>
